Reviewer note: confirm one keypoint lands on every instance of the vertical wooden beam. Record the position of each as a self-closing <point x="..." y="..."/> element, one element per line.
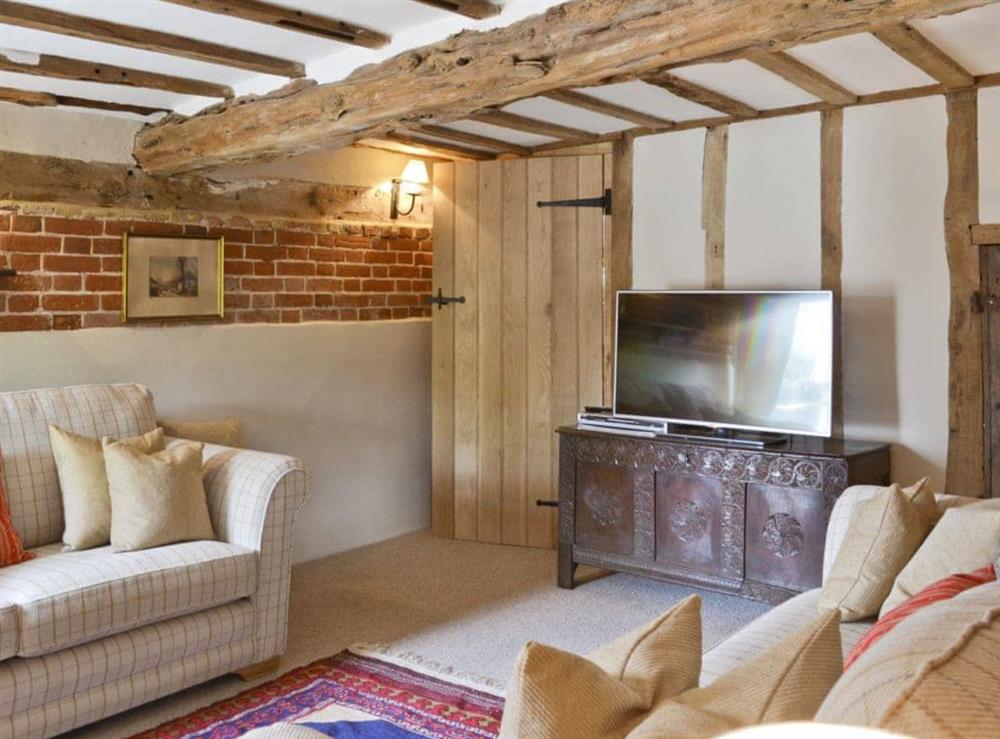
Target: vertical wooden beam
<point x="618" y="264"/>
<point x="990" y="268"/>
<point x="965" y="474"/>
<point x="443" y="358"/>
<point x="590" y="284"/>
<point x="713" y="205"/>
<point x="832" y="243"/>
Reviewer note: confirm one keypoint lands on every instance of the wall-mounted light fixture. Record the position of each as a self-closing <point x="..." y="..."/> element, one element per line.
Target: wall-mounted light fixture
<point x="411" y="183"/>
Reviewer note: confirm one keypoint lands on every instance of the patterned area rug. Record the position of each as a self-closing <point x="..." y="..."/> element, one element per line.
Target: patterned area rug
<point x="358" y="694"/>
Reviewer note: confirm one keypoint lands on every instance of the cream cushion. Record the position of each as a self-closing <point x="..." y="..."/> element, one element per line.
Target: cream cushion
<point x="787" y="683"/>
<point x="553" y="693"/>
<point x="883" y="534"/>
<point x="937" y="674"/>
<point x="84" y="483"/>
<point x="223" y="433"/>
<point x="965" y="539"/>
<point x="156" y="499"/>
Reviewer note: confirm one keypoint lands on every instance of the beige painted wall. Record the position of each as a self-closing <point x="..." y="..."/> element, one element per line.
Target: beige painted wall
<point x="350" y="399"/>
<point x="895" y="275"/>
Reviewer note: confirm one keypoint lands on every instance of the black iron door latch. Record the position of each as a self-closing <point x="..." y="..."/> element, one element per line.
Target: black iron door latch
<point x="441" y="300"/>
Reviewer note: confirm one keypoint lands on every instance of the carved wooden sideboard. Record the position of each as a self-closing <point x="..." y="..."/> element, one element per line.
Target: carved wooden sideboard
<point x="745" y="521"/>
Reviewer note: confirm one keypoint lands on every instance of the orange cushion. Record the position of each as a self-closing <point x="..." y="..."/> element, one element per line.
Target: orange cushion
<point x="11" y="549"/>
<point x="943" y="589"/>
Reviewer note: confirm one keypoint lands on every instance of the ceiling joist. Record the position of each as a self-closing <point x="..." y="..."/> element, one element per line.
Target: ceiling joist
<point x="802" y="76"/>
<point x="477" y="9"/>
<point x="532" y="125"/>
<point x="291" y="19"/>
<point x="914" y="47"/>
<point x="474" y="139"/>
<point x="597" y="105"/>
<point x="449" y="151"/>
<point x="579" y="44"/>
<point x="701" y="95"/>
<point x="94" y="29"/>
<point x="35" y="99"/>
<point x="63" y="68"/>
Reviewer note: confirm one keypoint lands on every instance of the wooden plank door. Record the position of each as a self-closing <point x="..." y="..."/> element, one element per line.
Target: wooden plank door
<point x="525" y="351"/>
<point x="990" y="292"/>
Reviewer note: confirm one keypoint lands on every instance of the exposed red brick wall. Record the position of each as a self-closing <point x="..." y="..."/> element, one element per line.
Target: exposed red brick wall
<point x="69" y="271"/>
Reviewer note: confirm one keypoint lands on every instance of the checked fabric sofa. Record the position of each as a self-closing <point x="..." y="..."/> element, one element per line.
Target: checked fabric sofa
<point x="86" y="634"/>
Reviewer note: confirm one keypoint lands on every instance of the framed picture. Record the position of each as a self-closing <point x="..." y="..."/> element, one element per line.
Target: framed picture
<point x="171" y="277"/>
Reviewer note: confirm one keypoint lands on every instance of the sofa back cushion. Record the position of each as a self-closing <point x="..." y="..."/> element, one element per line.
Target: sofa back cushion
<point x="29" y="469"/>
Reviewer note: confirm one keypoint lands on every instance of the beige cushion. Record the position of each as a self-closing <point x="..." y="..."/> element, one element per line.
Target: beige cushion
<point x="84" y="484"/>
<point x="937" y="674"/>
<point x="223" y="433"/>
<point x="965" y="539"/>
<point x="883" y="534"/>
<point x="553" y="693"/>
<point x="156" y="498"/>
<point x="787" y="683"/>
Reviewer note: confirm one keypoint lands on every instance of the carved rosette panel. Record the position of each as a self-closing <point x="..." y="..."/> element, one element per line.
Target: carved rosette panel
<point x="783" y="535"/>
<point x="645" y="511"/>
<point x="605" y="510"/>
<point x="689" y="522"/>
<point x="834" y="481"/>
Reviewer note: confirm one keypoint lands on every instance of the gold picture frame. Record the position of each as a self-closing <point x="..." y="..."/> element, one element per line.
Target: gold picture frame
<point x="172" y="278"/>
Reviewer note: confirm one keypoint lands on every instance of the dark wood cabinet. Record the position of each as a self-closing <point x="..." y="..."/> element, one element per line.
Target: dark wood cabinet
<point x="739" y="520"/>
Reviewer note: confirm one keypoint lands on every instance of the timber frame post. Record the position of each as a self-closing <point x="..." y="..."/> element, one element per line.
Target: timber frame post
<point x="713" y="205"/>
<point x="832" y="244"/>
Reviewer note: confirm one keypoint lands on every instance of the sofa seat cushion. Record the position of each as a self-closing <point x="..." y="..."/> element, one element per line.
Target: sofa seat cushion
<point x="69" y="598"/>
<point x="769" y="630"/>
<point x="8" y="630"/>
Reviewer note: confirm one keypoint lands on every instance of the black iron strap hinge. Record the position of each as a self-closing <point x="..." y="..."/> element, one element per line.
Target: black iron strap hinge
<point x="603" y="202"/>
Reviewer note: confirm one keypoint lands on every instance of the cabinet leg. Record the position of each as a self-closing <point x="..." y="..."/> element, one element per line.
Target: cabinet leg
<point x="567" y="569"/>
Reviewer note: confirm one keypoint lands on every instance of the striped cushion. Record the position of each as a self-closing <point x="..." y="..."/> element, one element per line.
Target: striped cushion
<point x="11" y="549"/>
<point x="944" y="589"/>
<point x="937" y="674"/>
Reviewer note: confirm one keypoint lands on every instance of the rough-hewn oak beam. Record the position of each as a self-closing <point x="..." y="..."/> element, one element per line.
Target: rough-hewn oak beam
<point x="701" y="95"/>
<point x="831" y="198"/>
<point x="25" y="178"/>
<point x="291" y="19"/>
<point x="986" y="233"/>
<point x="966" y="457"/>
<point x="802" y="76"/>
<point x="715" y="165"/>
<point x="64" y="68"/>
<point x="34" y="99"/>
<point x="575" y="44"/>
<point x="477" y="9"/>
<point x="597" y="105"/>
<point x="914" y="47"/>
<point x="474" y="139"/>
<point x="450" y="151"/>
<point x="94" y="29"/>
<point x="532" y="125"/>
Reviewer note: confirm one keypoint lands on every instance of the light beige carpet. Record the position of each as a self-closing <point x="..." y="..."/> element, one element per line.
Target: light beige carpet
<point x="461" y="604"/>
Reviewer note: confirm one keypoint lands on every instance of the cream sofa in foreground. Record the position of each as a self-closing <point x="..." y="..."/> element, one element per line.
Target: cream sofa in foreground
<point x="87" y="634"/>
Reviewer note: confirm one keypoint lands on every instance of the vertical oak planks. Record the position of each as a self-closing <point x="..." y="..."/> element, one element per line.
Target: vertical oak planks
<point x="832" y="243"/>
<point x="713" y="205"/>
<point x="590" y="284"/>
<point x="541" y="445"/>
<point x="515" y="351"/>
<point x="490" y="351"/>
<point x="466" y="352"/>
<point x="443" y="358"/>
<point x="965" y="473"/>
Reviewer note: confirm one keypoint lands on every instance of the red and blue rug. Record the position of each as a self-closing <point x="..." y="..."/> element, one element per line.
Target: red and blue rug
<point x="350" y="695"/>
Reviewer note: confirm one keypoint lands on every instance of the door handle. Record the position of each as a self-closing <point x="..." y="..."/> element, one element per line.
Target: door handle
<point x="442" y="300"/>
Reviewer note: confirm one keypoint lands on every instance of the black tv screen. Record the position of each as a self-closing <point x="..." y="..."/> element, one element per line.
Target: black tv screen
<point x="760" y="361"/>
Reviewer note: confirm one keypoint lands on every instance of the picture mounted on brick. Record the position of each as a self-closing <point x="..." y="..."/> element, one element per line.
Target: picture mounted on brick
<point x="166" y="277"/>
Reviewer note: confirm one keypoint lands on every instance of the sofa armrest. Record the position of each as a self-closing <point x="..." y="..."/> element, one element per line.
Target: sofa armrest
<point x="253" y="499"/>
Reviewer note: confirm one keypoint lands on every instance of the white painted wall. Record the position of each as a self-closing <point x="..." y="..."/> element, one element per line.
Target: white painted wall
<point x="352" y="400"/>
<point x="895" y="275"/>
<point x="67" y="134"/>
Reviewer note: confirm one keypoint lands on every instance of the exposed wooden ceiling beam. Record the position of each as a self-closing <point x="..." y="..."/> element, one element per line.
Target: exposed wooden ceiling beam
<point x="986" y="234"/>
<point x="474" y="139"/>
<point x="597" y="105"/>
<point x="577" y="44"/>
<point x="531" y="125"/>
<point x="914" y="47"/>
<point x="291" y="19"/>
<point x="94" y="29"/>
<point x="477" y="9"/>
<point x="447" y="149"/>
<point x="35" y="99"/>
<point x="701" y="95"/>
<point x="802" y="76"/>
<point x="63" y="68"/>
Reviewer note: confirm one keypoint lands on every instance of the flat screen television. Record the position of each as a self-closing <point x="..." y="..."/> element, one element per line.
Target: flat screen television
<point x="757" y="361"/>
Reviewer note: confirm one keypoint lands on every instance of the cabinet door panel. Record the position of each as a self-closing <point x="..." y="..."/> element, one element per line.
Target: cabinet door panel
<point x="689" y="521"/>
<point x="785" y="531"/>
<point x="605" y="507"/>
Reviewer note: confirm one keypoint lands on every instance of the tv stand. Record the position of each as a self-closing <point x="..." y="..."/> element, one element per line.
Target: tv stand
<point x="704" y="512"/>
<point x="756" y="439"/>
